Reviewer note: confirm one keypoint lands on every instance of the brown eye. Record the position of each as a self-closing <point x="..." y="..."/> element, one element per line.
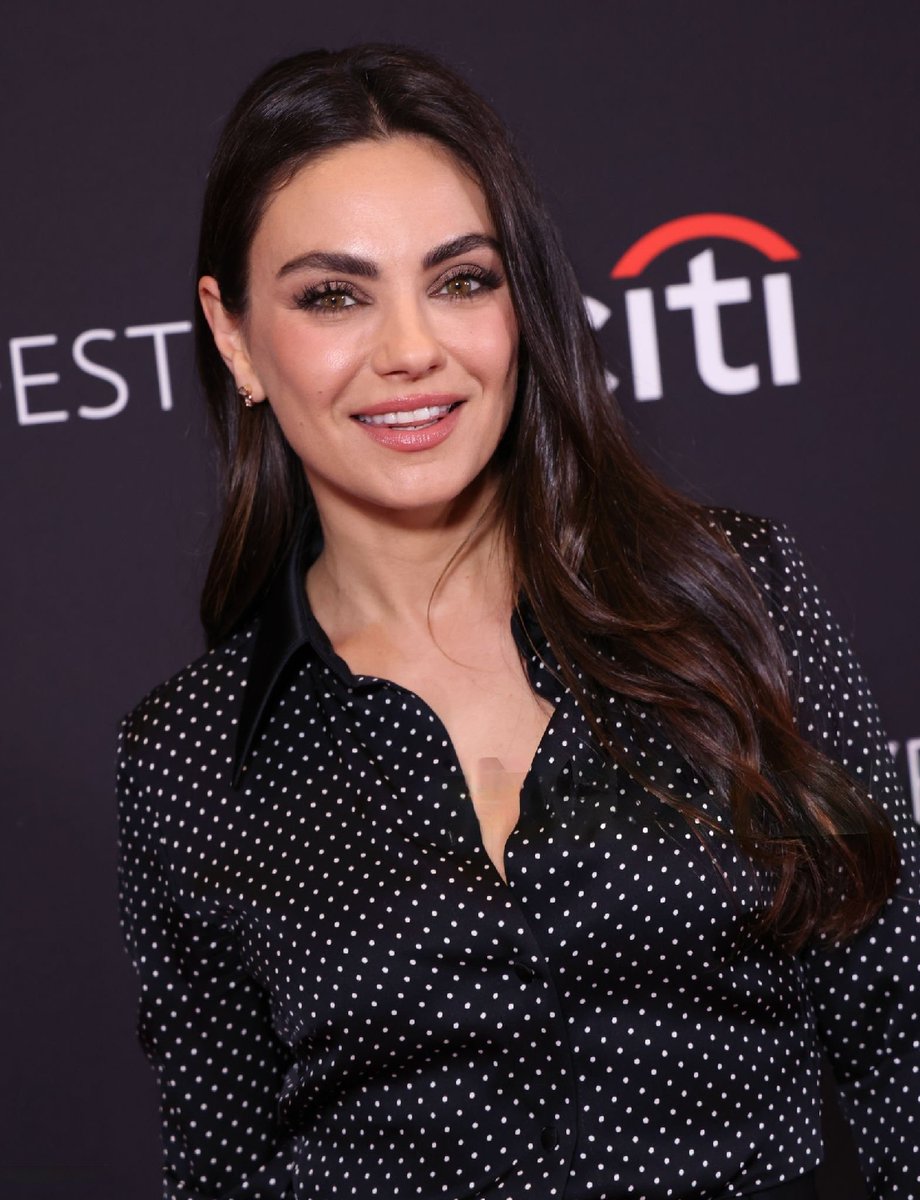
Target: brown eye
<point x="461" y="287"/>
<point x="334" y="301"/>
<point x="327" y="298"/>
<point x="468" y="282"/>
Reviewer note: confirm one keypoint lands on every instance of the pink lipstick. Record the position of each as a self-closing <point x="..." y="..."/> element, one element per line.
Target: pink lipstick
<point x="410" y="422"/>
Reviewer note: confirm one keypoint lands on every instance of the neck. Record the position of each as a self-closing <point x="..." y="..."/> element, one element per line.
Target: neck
<point x="410" y="567"/>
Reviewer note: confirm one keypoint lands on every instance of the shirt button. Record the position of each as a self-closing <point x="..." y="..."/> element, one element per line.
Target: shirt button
<point x="524" y="972"/>
<point x="549" y="1137"/>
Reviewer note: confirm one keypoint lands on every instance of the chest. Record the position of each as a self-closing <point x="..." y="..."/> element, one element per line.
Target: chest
<point x="493" y="718"/>
<point x="353" y="852"/>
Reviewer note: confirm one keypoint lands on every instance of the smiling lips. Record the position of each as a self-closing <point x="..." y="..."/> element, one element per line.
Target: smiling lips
<point x="418" y="418"/>
<point x="393" y="423"/>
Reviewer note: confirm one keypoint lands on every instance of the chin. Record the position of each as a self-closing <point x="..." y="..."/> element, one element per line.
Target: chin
<point x="431" y="503"/>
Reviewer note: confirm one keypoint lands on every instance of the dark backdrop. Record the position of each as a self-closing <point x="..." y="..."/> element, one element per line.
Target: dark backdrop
<point x="801" y="117"/>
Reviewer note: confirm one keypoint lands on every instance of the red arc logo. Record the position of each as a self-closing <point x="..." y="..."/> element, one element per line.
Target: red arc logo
<point x="702" y="225"/>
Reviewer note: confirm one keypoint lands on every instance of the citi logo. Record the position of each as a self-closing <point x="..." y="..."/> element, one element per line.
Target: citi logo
<point x="703" y="295"/>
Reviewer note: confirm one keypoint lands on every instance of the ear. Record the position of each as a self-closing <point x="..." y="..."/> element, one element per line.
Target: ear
<point x="228" y="336"/>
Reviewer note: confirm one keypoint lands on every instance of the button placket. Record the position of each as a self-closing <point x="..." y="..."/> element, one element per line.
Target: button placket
<point x="524" y="971"/>
<point x="549" y="1137"/>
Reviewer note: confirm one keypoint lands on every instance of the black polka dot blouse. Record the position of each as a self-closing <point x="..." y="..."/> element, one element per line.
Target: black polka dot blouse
<point x="340" y="997"/>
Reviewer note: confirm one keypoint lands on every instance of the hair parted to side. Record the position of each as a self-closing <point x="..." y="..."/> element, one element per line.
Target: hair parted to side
<point x="633" y="587"/>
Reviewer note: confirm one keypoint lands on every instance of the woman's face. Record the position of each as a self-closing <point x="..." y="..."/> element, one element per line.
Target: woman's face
<point x="379" y="327"/>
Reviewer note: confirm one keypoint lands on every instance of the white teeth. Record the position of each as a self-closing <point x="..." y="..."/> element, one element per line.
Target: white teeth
<point x="417" y="416"/>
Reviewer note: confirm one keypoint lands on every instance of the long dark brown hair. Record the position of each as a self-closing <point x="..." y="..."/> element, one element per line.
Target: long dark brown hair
<point x="635" y="589"/>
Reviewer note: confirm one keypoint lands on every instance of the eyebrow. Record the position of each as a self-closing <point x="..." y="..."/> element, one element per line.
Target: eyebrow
<point x="365" y="268"/>
<point x="459" y="245"/>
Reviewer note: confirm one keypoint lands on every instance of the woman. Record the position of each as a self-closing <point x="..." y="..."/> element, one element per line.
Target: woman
<point x="514" y="837"/>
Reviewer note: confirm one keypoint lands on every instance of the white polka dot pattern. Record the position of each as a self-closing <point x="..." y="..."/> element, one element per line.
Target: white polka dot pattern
<point x="341" y="998"/>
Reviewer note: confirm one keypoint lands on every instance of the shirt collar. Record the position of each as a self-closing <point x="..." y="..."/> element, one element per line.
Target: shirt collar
<point x="287" y="624"/>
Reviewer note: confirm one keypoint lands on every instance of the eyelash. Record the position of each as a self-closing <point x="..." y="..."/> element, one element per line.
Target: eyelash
<point x="487" y="279"/>
<point x="311" y="298"/>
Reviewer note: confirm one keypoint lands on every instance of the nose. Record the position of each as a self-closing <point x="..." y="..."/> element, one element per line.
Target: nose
<point x="406" y="341"/>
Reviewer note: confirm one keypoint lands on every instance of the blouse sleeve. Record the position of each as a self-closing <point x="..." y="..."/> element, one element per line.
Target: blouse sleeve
<point x="202" y="1023"/>
<point x="867" y="993"/>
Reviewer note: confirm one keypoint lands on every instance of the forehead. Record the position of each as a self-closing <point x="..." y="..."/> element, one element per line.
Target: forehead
<point x="397" y="196"/>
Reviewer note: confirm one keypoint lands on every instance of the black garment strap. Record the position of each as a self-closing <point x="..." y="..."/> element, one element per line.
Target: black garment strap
<point x="802" y="1188"/>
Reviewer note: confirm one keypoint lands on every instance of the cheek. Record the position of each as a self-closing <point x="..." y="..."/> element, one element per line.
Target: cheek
<point x="293" y="357"/>
<point x="505" y="359"/>
<point x="489" y="348"/>
<point x="507" y="343"/>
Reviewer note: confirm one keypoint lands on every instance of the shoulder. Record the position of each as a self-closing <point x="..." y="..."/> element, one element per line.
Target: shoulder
<point x="769" y="551"/>
<point x="190" y="716"/>
<point x="750" y="536"/>
<point x="809" y="633"/>
<point x="825" y="675"/>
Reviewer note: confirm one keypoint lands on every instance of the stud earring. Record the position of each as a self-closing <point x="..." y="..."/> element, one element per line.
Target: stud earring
<point x="246" y="394"/>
